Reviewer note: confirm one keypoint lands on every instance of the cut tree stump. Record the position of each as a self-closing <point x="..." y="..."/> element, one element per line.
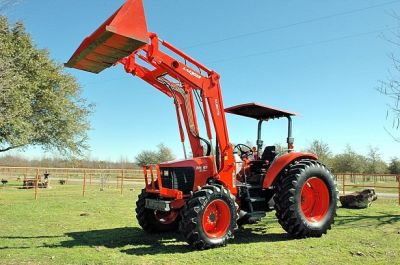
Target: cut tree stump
<point x="358" y="199"/>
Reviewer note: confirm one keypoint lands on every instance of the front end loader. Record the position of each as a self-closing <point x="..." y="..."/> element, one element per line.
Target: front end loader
<point x="207" y="196"/>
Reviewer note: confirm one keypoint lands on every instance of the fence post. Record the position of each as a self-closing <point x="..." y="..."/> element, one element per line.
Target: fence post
<point x="344" y="183"/>
<point x="84" y="183"/>
<point x="122" y="181"/>
<point x="90" y="176"/>
<point x="398" y="183"/>
<point x="36" y="183"/>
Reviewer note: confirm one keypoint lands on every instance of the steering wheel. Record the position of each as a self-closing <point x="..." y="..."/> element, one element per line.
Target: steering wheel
<point x="242" y="149"/>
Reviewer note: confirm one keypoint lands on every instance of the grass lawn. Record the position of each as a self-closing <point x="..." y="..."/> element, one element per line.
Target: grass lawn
<point x="64" y="228"/>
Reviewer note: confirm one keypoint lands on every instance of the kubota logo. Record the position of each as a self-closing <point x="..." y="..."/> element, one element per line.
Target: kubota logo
<point x="191" y="72"/>
<point x="217" y="107"/>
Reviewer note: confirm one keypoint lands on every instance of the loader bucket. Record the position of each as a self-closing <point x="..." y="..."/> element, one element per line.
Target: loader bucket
<point x="120" y="35"/>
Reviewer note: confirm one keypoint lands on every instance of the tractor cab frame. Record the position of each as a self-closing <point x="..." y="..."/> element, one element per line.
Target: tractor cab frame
<point x="263" y="114"/>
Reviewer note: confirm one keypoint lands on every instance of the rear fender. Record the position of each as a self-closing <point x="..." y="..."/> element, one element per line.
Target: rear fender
<point x="280" y="163"/>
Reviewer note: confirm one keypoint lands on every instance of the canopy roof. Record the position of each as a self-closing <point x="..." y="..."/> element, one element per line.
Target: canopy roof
<point x="258" y="111"/>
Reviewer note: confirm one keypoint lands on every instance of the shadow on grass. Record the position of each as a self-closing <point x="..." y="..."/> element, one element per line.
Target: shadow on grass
<point x="148" y="244"/>
<point x="27" y="237"/>
<point x="355" y="220"/>
<point x="124" y="236"/>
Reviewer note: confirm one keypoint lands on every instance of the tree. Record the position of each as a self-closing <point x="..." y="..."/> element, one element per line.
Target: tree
<point x="149" y="157"/>
<point x="164" y="153"/>
<point x="348" y="162"/>
<point x="40" y="104"/>
<point x="321" y="149"/>
<point x="280" y="148"/>
<point x="374" y="162"/>
<point x="394" y="166"/>
<point x="391" y="87"/>
<point x="249" y="143"/>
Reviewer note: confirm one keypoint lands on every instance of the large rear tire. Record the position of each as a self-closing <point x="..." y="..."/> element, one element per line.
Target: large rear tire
<point x="306" y="198"/>
<point x="153" y="221"/>
<point x="209" y="217"/>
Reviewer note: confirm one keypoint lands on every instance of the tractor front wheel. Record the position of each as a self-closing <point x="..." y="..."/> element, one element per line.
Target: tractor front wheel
<point x="209" y="217"/>
<point x="305" y="199"/>
<point x="154" y="221"/>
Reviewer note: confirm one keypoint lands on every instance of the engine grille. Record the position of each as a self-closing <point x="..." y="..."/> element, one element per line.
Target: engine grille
<point x="181" y="178"/>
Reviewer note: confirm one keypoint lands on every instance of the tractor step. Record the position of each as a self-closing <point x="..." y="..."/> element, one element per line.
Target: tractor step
<point x="249" y="186"/>
<point x="254" y="187"/>
<point x="252" y="218"/>
<point x="252" y="196"/>
<point x="255" y="199"/>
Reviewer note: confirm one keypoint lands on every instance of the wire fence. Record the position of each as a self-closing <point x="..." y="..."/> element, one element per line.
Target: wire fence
<point x="72" y="180"/>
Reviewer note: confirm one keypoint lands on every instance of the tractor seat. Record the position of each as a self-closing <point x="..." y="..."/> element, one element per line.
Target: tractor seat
<point x="269" y="153"/>
<point x="261" y="166"/>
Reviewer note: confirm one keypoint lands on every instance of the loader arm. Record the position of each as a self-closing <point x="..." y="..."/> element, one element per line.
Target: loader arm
<point x="124" y="39"/>
<point x="179" y="80"/>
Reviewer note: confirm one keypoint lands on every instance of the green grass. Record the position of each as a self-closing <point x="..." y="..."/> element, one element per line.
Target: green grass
<point x="52" y="231"/>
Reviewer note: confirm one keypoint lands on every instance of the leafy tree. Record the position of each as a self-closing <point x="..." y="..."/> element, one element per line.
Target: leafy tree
<point x="374" y="162"/>
<point x="348" y="162"/>
<point x="146" y="157"/>
<point x="321" y="149"/>
<point x="280" y="148"/>
<point x="249" y="143"/>
<point x="394" y="166"/>
<point x="40" y="105"/>
<point x="164" y="153"/>
<point x="149" y="157"/>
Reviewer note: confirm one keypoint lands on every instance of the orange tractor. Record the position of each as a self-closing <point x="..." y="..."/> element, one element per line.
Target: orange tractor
<point x="221" y="186"/>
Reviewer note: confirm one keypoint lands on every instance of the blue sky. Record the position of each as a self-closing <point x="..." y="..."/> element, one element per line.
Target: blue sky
<point x="325" y="69"/>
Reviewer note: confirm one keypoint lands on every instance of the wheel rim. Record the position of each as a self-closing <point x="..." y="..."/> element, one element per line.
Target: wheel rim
<point x="314" y="199"/>
<point x="166" y="217"/>
<point x="216" y="219"/>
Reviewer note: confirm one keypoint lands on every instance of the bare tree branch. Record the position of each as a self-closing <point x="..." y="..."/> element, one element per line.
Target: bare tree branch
<point x="11" y="147"/>
<point x="7" y="4"/>
<point x="391" y="86"/>
<point x="397" y="139"/>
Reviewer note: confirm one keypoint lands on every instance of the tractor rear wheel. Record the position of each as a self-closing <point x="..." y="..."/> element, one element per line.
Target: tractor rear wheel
<point x="154" y="221"/>
<point x="305" y="199"/>
<point x="209" y="217"/>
